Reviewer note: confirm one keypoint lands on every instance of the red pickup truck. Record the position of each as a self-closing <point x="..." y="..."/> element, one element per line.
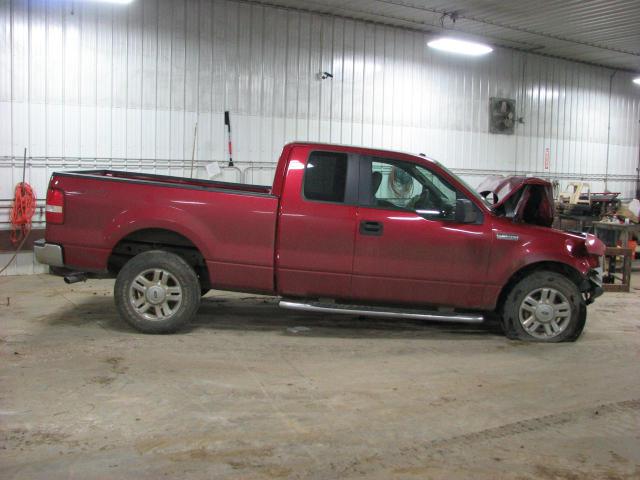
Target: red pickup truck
<point x="342" y="230"/>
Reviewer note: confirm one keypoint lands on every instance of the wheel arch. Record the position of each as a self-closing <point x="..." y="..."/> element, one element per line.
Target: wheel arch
<point x="158" y="238"/>
<point x="558" y="267"/>
<point x="160" y="217"/>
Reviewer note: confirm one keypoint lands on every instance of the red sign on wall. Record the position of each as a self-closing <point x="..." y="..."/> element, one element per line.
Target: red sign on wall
<point x="547" y="160"/>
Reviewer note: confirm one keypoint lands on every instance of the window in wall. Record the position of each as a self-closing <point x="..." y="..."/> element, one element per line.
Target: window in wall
<point x="325" y="177"/>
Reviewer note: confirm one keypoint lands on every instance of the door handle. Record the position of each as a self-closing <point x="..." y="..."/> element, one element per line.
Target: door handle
<point x="371" y="228"/>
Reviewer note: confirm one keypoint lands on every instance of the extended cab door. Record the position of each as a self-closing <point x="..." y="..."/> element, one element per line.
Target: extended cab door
<point x="409" y="247"/>
<point x="317" y="223"/>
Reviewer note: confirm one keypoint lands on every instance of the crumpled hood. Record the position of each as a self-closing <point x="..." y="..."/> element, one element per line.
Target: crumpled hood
<point x="504" y="187"/>
<point x="525" y="199"/>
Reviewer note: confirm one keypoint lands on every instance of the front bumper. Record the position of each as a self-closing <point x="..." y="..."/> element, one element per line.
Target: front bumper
<point x="591" y="286"/>
<point x="48" y="253"/>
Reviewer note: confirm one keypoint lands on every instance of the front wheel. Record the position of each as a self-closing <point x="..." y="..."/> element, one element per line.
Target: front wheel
<point x="544" y="307"/>
<point x="157" y="292"/>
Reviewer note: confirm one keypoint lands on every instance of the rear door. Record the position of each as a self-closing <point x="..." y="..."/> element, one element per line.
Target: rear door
<point x="409" y="248"/>
<point x="317" y="224"/>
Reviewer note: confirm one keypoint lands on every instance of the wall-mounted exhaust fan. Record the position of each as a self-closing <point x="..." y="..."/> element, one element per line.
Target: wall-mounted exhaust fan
<point x="502" y="115"/>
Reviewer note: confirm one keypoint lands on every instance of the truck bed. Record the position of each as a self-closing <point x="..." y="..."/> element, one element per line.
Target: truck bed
<point x="232" y="225"/>
<point x="170" y="181"/>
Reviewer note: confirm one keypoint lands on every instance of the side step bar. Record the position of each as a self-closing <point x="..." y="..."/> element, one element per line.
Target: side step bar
<point x="381" y="312"/>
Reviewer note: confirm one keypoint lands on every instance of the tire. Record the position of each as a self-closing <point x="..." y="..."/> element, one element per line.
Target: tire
<point x="544" y="307"/>
<point x="157" y="292"/>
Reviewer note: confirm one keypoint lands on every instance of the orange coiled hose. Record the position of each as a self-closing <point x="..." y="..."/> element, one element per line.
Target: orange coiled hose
<point x="22" y="210"/>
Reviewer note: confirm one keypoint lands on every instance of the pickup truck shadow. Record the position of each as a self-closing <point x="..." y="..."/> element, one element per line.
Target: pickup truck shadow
<point x="256" y="313"/>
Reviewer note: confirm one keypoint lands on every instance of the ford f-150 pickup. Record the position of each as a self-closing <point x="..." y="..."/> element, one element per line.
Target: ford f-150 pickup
<point x="342" y="230"/>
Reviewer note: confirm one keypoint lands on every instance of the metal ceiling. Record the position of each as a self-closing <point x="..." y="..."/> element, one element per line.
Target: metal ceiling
<point x="600" y="32"/>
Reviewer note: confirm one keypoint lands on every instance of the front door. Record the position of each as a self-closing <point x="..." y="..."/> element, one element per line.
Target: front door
<point x="317" y="223"/>
<point x="409" y="248"/>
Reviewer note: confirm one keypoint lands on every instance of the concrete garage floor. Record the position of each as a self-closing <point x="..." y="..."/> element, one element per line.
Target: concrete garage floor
<point x="245" y="395"/>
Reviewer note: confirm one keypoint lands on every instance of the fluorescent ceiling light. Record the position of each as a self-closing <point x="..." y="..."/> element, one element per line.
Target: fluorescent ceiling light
<point x="636" y="80"/>
<point x="461" y="47"/>
<point x="121" y="2"/>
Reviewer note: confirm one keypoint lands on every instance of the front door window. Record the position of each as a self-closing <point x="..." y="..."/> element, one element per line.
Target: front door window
<point x="407" y="186"/>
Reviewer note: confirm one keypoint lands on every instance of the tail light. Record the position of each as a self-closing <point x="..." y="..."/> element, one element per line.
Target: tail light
<point x="55" y="206"/>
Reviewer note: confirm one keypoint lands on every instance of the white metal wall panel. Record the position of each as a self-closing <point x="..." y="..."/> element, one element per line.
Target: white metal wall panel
<point x="85" y="85"/>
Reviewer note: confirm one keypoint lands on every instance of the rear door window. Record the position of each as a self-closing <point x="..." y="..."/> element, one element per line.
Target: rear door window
<point x="325" y="177"/>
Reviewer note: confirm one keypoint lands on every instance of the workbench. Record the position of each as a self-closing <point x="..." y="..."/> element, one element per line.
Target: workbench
<point x="624" y="232"/>
<point x="581" y="221"/>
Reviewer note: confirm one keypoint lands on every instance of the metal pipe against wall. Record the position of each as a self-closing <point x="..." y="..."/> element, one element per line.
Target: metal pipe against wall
<point x="606" y="167"/>
<point x="638" y="171"/>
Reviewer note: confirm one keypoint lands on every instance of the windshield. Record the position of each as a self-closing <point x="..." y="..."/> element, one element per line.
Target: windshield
<point x="469" y="187"/>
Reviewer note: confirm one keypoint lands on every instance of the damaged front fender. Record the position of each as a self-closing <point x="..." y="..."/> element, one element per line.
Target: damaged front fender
<point x="594" y="245"/>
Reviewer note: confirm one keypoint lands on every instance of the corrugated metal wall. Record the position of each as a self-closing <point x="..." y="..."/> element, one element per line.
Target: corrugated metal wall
<point x="88" y="84"/>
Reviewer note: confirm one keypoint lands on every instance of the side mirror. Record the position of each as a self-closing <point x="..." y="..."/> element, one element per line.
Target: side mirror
<point x="465" y="211"/>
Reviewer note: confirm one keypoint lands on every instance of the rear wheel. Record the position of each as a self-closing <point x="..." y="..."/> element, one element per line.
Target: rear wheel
<point x="544" y="307"/>
<point x="157" y="292"/>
